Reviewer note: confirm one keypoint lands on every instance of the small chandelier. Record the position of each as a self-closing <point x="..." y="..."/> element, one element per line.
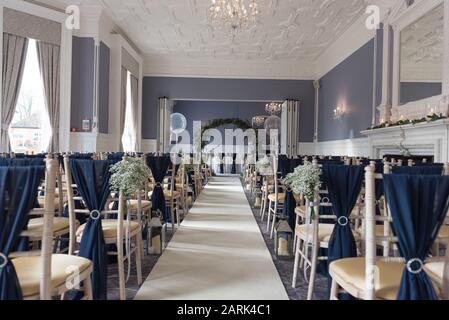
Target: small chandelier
<point x="273" y="108"/>
<point x="258" y="121"/>
<point x="234" y="15"/>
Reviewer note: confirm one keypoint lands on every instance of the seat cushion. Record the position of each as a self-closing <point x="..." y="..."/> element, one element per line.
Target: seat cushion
<point x="146" y="205"/>
<point x="41" y="202"/>
<point x="435" y="270"/>
<point x="28" y="271"/>
<point x="379" y="230"/>
<point x="444" y="232"/>
<point x="324" y="231"/>
<point x="281" y="197"/>
<point x="352" y="272"/>
<point x="301" y="211"/>
<point x="59" y="224"/>
<point x="168" y="194"/>
<point x="110" y="228"/>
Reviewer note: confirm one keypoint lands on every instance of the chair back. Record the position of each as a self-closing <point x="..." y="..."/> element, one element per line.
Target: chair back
<point x="20" y="186"/>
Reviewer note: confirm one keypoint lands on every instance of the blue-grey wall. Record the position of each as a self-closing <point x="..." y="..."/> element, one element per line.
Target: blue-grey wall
<point x="412" y="91"/>
<point x="349" y="85"/>
<point x="103" y="94"/>
<point x="226" y="90"/>
<point x="82" y="81"/>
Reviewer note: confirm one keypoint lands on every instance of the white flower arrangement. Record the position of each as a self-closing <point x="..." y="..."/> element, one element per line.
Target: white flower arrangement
<point x="129" y="175"/>
<point x="304" y="180"/>
<point x="264" y="166"/>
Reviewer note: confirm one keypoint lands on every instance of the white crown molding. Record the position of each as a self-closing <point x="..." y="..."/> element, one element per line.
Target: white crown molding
<point x="175" y="67"/>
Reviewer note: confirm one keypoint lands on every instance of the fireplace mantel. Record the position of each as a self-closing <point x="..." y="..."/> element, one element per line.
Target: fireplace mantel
<point x="423" y="139"/>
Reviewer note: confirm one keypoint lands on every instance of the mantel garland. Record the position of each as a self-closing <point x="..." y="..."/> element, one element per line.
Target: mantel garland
<point x="430" y="118"/>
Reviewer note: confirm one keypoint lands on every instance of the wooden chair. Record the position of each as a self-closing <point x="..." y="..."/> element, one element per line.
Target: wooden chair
<point x="115" y="231"/>
<point x="46" y="275"/>
<point x="373" y="277"/>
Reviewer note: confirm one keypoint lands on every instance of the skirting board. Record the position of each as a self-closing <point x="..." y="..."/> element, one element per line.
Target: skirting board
<point x="359" y="147"/>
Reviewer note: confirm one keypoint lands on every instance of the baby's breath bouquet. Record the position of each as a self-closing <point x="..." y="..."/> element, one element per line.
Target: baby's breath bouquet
<point x="264" y="166"/>
<point x="129" y="175"/>
<point x="305" y="180"/>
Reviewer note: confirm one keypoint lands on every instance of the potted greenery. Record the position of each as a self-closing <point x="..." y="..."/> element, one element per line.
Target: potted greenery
<point x="305" y="180"/>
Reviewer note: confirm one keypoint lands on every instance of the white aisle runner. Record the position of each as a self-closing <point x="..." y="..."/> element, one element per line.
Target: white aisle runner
<point x="218" y="253"/>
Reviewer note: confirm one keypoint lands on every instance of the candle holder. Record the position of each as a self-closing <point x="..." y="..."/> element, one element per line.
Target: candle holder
<point x="283" y="235"/>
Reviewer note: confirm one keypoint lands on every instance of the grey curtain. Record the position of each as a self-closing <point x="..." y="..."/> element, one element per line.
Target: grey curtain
<point x="49" y="65"/>
<point x="123" y="105"/>
<point x="14" y="55"/>
<point x="135" y="110"/>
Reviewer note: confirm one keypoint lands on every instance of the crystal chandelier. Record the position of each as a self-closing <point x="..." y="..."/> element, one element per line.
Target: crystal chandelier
<point x="273" y="108"/>
<point x="258" y="121"/>
<point x="233" y="15"/>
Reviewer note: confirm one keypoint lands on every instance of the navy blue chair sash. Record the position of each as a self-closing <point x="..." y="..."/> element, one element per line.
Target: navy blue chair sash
<point x="92" y="179"/>
<point x="159" y="167"/>
<point x="18" y="189"/>
<point x="419" y="204"/>
<point x="344" y="184"/>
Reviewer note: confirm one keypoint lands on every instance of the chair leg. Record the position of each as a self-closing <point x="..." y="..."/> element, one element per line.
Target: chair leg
<point x="314" y="262"/>
<point x="273" y="223"/>
<point x="302" y="246"/>
<point x="178" y="220"/>
<point x="334" y="290"/>
<point x="139" y="257"/>
<point x="296" y="265"/>
<point x="269" y="215"/>
<point x="87" y="283"/>
<point x="264" y="208"/>
<point x="121" y="271"/>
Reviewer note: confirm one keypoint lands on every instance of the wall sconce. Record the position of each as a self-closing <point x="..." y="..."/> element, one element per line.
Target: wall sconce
<point x="339" y="112"/>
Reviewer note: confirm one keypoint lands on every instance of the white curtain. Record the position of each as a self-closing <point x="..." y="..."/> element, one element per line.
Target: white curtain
<point x="14" y="56"/>
<point x="49" y="65"/>
<point x="135" y="111"/>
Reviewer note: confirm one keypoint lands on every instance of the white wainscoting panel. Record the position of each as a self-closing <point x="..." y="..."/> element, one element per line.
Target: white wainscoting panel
<point x="351" y="147"/>
<point x="149" y="145"/>
<point x="83" y="142"/>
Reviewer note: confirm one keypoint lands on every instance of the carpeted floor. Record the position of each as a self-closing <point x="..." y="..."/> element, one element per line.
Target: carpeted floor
<point x="284" y="268"/>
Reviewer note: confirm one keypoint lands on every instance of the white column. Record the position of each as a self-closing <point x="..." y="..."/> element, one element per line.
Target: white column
<point x="317" y="86"/>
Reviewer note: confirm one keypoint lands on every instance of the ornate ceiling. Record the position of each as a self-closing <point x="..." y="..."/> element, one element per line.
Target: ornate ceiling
<point x="286" y="30"/>
<point x="422" y="48"/>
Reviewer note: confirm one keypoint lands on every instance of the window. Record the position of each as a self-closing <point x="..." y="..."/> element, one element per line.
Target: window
<point x="30" y="129"/>
<point x="128" y="139"/>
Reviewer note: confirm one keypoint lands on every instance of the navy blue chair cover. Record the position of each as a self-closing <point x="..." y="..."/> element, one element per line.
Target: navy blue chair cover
<point x="18" y="189"/>
<point x="428" y="164"/>
<point x="92" y="179"/>
<point x="422" y="170"/>
<point x="344" y="184"/>
<point x="159" y="167"/>
<point x="419" y="205"/>
<point x="21" y="162"/>
<point x="116" y="156"/>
